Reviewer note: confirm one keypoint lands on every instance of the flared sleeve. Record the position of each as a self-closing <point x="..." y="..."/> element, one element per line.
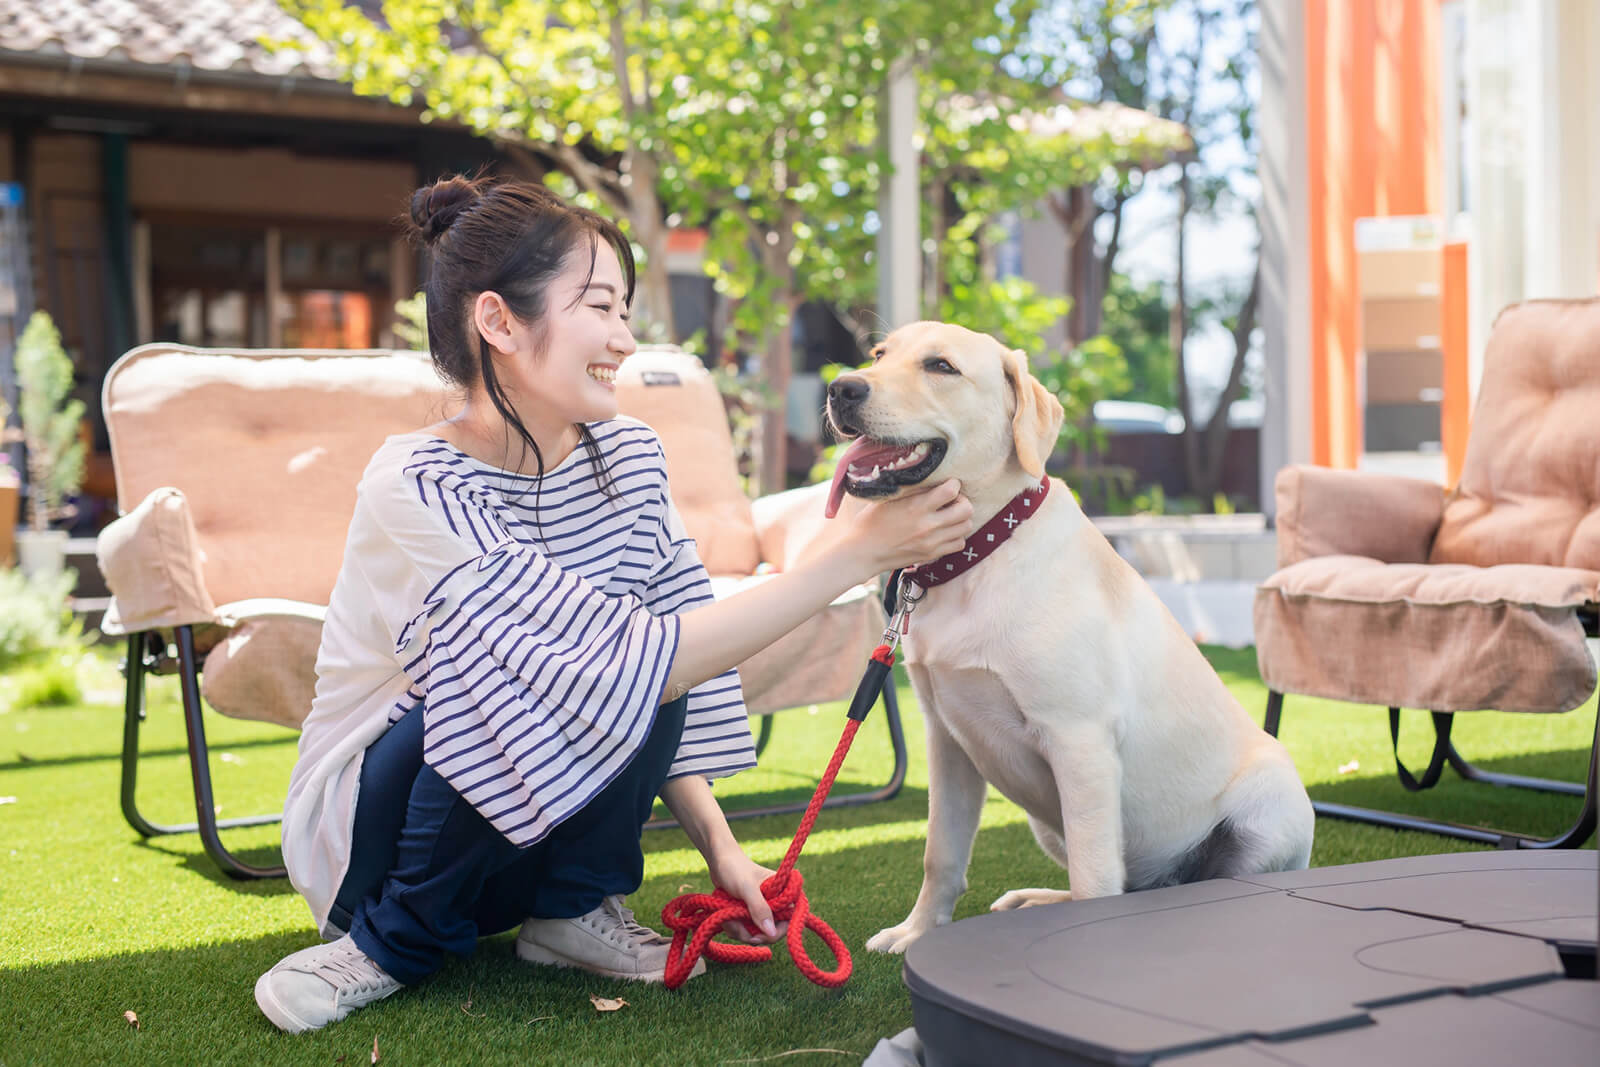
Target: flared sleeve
<point x="716" y="727"/>
<point x="538" y="688"/>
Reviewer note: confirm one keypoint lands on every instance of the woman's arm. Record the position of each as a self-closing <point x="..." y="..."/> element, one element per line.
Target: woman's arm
<point x="883" y="536"/>
<point x="691" y="803"/>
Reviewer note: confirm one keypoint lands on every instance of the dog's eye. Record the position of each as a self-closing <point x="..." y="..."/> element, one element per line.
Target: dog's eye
<point x="939" y="365"/>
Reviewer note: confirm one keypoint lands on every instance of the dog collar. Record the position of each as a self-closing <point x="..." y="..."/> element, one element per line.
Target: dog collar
<point x="989" y="537"/>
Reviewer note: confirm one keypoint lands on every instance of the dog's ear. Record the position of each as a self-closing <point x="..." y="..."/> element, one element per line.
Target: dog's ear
<point x="1037" y="423"/>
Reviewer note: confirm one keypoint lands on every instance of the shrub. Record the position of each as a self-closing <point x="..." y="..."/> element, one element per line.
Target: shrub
<point x="34" y="616"/>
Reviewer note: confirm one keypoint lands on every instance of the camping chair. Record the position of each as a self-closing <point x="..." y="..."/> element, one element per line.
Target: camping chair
<point x="236" y="478"/>
<point x="1392" y="592"/>
<point x="236" y="474"/>
<point x="741" y="543"/>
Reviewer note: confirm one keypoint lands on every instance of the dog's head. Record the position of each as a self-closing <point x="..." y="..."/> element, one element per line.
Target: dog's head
<point x="940" y="400"/>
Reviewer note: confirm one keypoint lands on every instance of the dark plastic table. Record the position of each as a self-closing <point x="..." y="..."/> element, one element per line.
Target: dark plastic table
<point x="1469" y="958"/>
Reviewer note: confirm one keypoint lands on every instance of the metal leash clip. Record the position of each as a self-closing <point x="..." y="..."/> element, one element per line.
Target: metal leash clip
<point x="908" y="595"/>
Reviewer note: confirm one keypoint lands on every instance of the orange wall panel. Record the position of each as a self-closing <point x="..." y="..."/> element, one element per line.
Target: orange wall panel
<point x="1372" y="149"/>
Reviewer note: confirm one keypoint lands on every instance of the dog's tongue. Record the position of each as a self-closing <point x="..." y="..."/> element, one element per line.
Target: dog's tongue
<point x="864" y="453"/>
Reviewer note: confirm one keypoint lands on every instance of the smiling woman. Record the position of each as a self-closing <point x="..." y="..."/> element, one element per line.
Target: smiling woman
<point x="522" y="650"/>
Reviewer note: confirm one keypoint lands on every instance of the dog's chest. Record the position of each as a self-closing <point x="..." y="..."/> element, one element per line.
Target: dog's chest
<point x="983" y="717"/>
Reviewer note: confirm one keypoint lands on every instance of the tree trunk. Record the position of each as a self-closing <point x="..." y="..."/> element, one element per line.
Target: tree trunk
<point x="1217" y="430"/>
<point x="1179" y="332"/>
<point x="653" y="296"/>
<point x="773" y="442"/>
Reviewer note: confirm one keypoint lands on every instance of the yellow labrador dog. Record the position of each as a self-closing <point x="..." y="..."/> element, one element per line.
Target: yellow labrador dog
<point x="1052" y="671"/>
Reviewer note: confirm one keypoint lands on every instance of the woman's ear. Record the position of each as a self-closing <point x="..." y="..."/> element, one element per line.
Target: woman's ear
<point x="495" y="322"/>
<point x="1037" y="422"/>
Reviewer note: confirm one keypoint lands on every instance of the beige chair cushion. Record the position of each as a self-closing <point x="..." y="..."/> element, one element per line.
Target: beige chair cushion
<point x="672" y="392"/>
<point x="1439" y="637"/>
<point x="152" y="562"/>
<point x="264" y="667"/>
<point x="1530" y="482"/>
<point x="267" y="447"/>
<point x="1325" y="512"/>
<point x="820" y="661"/>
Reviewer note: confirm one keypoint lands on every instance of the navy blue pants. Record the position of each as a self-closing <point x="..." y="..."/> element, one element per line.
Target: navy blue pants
<point x="429" y="875"/>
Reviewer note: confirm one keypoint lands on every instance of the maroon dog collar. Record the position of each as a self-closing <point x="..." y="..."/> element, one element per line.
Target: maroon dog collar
<point x="989" y="537"/>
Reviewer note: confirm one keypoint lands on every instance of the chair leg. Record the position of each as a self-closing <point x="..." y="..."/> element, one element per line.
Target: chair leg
<point x="1474" y="773"/>
<point x="887" y="791"/>
<point x="207" y="824"/>
<point x="1575" y="835"/>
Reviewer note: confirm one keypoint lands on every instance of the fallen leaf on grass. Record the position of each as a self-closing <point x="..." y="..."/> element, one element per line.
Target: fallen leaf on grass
<point x="133" y="1019"/>
<point x="467" y="1007"/>
<point x="538" y="1019"/>
<point x="374" y="1048"/>
<point x="1351" y="767"/>
<point x="607" y="1003"/>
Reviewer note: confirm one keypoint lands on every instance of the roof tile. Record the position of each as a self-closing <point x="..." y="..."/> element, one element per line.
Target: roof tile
<point x="218" y="35"/>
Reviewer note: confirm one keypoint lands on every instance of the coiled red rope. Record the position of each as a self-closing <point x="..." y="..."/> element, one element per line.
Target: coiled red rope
<point x="695" y="918"/>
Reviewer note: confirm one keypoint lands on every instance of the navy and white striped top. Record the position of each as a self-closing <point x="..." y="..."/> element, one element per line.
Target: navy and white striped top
<point x="533" y="620"/>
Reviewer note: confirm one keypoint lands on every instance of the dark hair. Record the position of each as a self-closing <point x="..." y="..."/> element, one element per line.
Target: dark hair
<point x="511" y="238"/>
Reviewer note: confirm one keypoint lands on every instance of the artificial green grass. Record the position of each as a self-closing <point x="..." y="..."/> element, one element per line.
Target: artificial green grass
<point x="95" y="922"/>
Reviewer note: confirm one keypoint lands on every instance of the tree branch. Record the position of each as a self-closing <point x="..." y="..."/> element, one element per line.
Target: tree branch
<point x="591" y="176"/>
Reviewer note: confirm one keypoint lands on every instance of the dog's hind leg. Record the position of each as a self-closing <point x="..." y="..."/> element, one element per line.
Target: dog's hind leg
<point x="1054" y="846"/>
<point x="1270" y="817"/>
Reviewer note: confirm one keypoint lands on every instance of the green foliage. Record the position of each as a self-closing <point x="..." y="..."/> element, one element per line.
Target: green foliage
<point x="49" y="419"/>
<point x="1136" y="318"/>
<point x="43" y="682"/>
<point x="411" y="321"/>
<point x="34" y="616"/>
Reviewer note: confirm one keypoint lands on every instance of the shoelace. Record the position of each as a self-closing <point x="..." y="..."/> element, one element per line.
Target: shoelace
<point x="363" y="975"/>
<point x="628" y="930"/>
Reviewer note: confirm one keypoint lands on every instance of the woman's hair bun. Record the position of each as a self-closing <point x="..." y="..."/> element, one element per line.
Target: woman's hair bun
<point x="434" y="207"/>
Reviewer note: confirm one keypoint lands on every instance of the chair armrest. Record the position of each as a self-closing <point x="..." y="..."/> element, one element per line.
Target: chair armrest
<point x="787" y="521"/>
<point x="151" y="560"/>
<point x="1326" y="512"/>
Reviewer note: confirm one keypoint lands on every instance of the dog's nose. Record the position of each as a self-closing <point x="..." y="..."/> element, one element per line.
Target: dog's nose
<point x="847" y="393"/>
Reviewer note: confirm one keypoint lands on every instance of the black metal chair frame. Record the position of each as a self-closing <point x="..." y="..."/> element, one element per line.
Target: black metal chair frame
<point x="146" y="653"/>
<point x="1444" y="751"/>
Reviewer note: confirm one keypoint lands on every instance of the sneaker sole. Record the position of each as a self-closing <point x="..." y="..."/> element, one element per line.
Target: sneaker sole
<point x="528" y="952"/>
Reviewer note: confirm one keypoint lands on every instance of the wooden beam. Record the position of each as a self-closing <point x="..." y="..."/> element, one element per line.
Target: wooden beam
<point x="277" y="97"/>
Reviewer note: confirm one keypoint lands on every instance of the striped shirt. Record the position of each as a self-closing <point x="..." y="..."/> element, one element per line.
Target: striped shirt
<point x="532" y="619"/>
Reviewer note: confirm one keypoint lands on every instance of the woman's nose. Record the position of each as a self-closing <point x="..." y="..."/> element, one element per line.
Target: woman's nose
<point x="622" y="342"/>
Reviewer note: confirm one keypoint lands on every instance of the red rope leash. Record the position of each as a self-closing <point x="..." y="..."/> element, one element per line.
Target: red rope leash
<point x="695" y="918"/>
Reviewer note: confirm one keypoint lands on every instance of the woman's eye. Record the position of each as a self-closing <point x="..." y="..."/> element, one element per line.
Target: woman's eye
<point x="939" y="365"/>
<point x="604" y="309"/>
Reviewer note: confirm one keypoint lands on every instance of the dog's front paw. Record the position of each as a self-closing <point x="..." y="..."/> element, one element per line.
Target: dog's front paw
<point x="897" y="939"/>
<point x="1028" y="898"/>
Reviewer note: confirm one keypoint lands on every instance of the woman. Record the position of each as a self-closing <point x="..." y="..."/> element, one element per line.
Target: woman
<point x="521" y="650"/>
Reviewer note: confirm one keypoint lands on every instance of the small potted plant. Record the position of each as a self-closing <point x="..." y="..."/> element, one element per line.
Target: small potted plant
<point x="50" y="435"/>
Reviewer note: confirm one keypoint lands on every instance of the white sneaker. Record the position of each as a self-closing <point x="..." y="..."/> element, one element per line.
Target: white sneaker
<point x="319" y="985"/>
<point x="606" y="941"/>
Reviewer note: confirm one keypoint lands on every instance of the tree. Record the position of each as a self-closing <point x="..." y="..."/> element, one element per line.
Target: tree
<point x="1214" y="107"/>
<point x="1135" y="319"/>
<point x="1192" y="62"/>
<point x="756" y="119"/>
